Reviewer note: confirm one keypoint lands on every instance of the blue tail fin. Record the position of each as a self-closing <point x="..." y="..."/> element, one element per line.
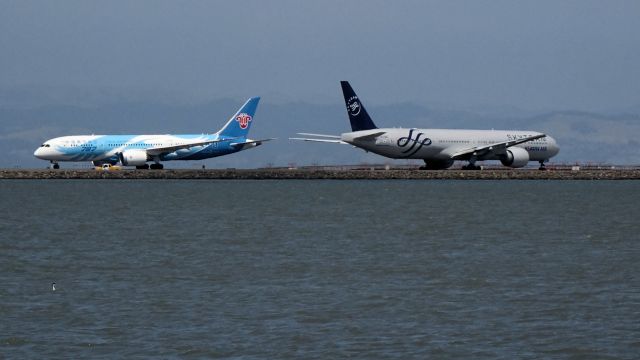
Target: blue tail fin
<point x="240" y="123"/>
<point x="358" y="116"/>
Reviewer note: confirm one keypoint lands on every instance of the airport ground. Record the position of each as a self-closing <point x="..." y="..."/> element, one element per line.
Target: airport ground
<point x="372" y="172"/>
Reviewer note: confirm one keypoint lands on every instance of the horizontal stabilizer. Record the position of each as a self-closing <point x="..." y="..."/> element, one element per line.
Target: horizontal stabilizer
<point x="257" y="142"/>
<point x="320" y="135"/>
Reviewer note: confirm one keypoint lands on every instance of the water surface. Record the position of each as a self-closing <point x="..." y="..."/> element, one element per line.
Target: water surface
<point x="319" y="269"/>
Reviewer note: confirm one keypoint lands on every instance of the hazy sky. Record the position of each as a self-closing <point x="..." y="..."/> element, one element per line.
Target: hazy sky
<point x="531" y="54"/>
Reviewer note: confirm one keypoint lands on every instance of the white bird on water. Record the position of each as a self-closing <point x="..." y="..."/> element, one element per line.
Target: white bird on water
<point x="53" y="286"/>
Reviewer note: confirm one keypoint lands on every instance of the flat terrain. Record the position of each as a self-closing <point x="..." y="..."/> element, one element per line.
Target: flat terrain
<point x="337" y="174"/>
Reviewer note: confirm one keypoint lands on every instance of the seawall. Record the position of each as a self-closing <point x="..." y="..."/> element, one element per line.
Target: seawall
<point x="315" y="174"/>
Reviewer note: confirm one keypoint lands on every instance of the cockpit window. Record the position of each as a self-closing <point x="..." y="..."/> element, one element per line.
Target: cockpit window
<point x="45" y="145"/>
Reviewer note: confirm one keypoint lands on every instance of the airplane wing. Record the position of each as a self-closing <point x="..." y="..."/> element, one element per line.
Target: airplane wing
<point x="169" y="149"/>
<point x="496" y="148"/>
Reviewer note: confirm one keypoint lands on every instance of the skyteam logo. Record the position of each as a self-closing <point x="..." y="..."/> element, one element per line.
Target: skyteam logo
<point x="353" y="106"/>
<point x="416" y="143"/>
<point x="243" y="119"/>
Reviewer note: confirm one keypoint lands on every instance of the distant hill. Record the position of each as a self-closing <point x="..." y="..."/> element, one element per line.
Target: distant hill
<point x="583" y="136"/>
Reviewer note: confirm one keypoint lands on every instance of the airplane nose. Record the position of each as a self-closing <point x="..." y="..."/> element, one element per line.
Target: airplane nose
<point x="554" y="146"/>
<point x="43" y="153"/>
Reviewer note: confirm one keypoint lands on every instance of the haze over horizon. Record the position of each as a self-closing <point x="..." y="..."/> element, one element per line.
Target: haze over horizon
<point x="541" y="55"/>
<point x="568" y="68"/>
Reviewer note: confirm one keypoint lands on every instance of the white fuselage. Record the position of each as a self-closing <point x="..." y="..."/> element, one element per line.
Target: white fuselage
<point x="441" y="144"/>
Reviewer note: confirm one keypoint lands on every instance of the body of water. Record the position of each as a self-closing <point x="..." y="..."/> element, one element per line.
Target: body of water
<point x="320" y="269"/>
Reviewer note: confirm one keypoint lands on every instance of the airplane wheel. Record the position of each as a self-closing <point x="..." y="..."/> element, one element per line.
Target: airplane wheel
<point x="156" y="166"/>
<point x="142" y="167"/>
<point x="56" y="166"/>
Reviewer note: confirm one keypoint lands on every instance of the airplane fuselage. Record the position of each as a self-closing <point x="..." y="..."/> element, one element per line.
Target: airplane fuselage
<point x="439" y="148"/>
<point x="137" y="150"/>
<point x="441" y="144"/>
<point x="106" y="148"/>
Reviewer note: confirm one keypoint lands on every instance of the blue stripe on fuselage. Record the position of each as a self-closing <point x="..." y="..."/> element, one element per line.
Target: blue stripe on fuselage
<point x="204" y="152"/>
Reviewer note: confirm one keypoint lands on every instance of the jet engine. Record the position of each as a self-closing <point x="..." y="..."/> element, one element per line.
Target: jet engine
<point x="516" y="157"/>
<point x="133" y="157"/>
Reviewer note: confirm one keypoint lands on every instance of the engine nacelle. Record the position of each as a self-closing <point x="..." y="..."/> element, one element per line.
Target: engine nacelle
<point x="133" y="157"/>
<point x="516" y="157"/>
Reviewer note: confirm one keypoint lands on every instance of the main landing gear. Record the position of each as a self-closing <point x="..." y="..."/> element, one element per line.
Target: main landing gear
<point x="471" y="167"/>
<point x="436" y="165"/>
<point x="155" y="166"/>
<point x="472" y="164"/>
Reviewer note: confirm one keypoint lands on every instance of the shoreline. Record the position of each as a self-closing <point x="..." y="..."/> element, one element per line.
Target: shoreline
<point x="323" y="174"/>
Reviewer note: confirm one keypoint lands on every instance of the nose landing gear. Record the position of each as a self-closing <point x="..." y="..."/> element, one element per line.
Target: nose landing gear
<point x="54" y="166"/>
<point x="542" y="167"/>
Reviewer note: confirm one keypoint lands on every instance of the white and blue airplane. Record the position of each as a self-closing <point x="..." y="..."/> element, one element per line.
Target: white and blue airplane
<point x="439" y="148"/>
<point x="138" y="150"/>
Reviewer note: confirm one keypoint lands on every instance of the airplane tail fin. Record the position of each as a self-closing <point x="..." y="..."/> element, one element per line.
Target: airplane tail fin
<point x="240" y="123"/>
<point x="358" y="116"/>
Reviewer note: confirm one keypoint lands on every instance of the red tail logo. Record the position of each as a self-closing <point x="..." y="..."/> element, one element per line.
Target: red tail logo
<point x="243" y="119"/>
